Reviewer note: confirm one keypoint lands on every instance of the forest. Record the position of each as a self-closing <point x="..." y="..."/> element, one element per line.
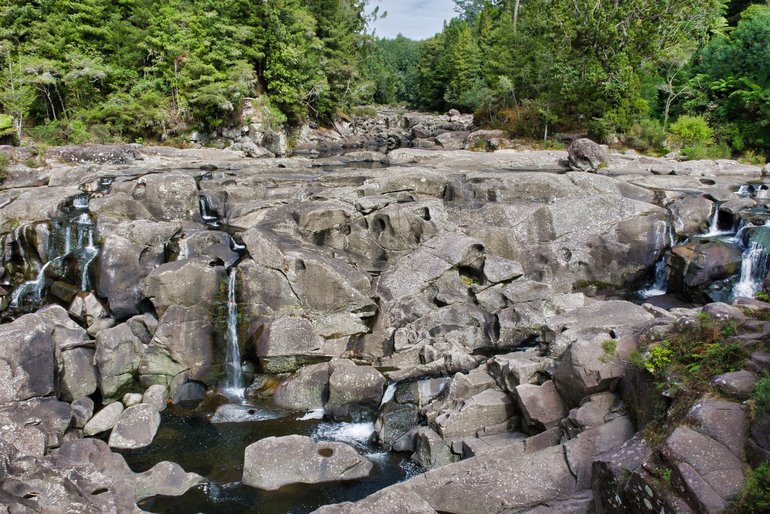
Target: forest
<point x="638" y="73"/>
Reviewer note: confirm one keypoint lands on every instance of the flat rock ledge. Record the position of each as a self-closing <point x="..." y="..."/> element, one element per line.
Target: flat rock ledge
<point x="274" y="462"/>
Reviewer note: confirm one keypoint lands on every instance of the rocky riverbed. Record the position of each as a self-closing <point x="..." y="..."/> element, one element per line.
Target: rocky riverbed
<point x="475" y="311"/>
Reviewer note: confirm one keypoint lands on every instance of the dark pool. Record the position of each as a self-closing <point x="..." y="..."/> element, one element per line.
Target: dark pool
<point x="215" y="450"/>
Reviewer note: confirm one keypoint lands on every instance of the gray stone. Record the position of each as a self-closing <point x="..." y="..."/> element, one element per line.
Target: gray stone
<point x="541" y="406"/>
<point x="484" y="409"/>
<point x="189" y="392"/>
<point x="87" y="308"/>
<point x="131" y="399"/>
<point x="27" y="363"/>
<point x="737" y="384"/>
<point x="103" y="420"/>
<point x="386" y="501"/>
<point x="82" y="411"/>
<point x="353" y="387"/>
<point x="585" y="155"/>
<point x="183" y="283"/>
<point x="136" y="427"/>
<point x="497" y="269"/>
<point x="77" y="374"/>
<point x="394" y="420"/>
<point x="118" y="354"/>
<point x="430" y="449"/>
<point x="306" y="390"/>
<point x="274" y="462"/>
<point x="286" y="343"/>
<point x="725" y="422"/>
<point x="157" y="396"/>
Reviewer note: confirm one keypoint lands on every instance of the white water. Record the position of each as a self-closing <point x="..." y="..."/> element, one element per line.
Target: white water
<point x="660" y="285"/>
<point x="390" y="392"/>
<point x="753" y="270"/>
<point x="355" y="434"/>
<point x="206" y="214"/>
<point x="312" y="414"/>
<point x="714" y="225"/>
<point x="32" y="287"/>
<point x="233" y="383"/>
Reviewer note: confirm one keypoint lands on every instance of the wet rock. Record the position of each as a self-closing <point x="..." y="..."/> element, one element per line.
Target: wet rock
<point x="697" y="264"/>
<point x="585" y="155"/>
<point x="28" y="363"/>
<point x="103" y="420"/>
<point x="157" y="396"/>
<point x="189" y="392"/>
<point x="131" y="399"/>
<point x="136" y="427"/>
<point x="308" y="389"/>
<point x="394" y="420"/>
<point x="541" y="406"/>
<point x="353" y="388"/>
<point x="737" y="384"/>
<point x="274" y="462"/>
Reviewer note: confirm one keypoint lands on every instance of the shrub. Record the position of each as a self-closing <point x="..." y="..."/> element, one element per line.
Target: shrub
<point x="752" y="157"/>
<point x="755" y="496"/>
<point x="761" y="397"/>
<point x="692" y="131"/>
<point x="4" y="161"/>
<point x="647" y="136"/>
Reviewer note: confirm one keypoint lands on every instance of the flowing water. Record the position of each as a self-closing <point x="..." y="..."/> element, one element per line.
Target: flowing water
<point x="232" y="386"/>
<point x="659" y="286"/>
<point x="216" y="452"/>
<point x="753" y="271"/>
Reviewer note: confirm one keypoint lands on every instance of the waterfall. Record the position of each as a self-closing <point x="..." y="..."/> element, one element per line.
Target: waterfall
<point x="208" y="217"/>
<point x="753" y="271"/>
<point x="390" y="392"/>
<point x="86" y="250"/>
<point x="233" y="384"/>
<point x="32" y="288"/>
<point x="660" y="285"/>
<point x="714" y="224"/>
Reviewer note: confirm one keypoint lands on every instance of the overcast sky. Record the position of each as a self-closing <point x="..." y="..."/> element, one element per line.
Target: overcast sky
<point x="416" y="19"/>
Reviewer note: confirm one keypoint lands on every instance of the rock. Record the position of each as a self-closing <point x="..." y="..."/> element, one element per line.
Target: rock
<point x="97" y="154"/>
<point x="88" y="308"/>
<point x="276" y="143"/>
<point x="594" y="410"/>
<point x="386" y="501"/>
<point x="725" y="422"/>
<point x="485" y="409"/>
<point x="512" y="369"/>
<point x="286" y="344"/>
<point x="541" y="406"/>
<point x="308" y="389"/>
<point x="157" y="396"/>
<point x="103" y="420"/>
<point x="738" y="384"/>
<point x="352" y="388"/>
<point x="724" y="311"/>
<point x="497" y="269"/>
<point x="691" y="214"/>
<point x="394" y="420"/>
<point x="452" y="140"/>
<point x="131" y="399"/>
<point x="27" y="363"/>
<point x="77" y="374"/>
<point x="697" y="264"/>
<point x="189" y="392"/>
<point x="585" y="155"/>
<point x="251" y="150"/>
<point x="274" y="462"/>
<point x="82" y="411"/>
<point x="136" y="427"/>
<point x="430" y="449"/>
<point x="168" y="196"/>
<point x="183" y="283"/>
<point x="708" y="471"/>
<point x="118" y="354"/>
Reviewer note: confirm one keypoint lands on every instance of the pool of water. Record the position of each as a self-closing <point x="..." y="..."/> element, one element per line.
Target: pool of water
<point x="215" y="451"/>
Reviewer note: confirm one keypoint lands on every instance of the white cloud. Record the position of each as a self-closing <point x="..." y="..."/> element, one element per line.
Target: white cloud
<point x="413" y="19"/>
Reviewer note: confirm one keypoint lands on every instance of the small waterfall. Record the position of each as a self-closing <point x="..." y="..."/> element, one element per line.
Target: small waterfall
<point x="753" y="271"/>
<point x="745" y="190"/>
<point x="390" y="392"/>
<point x="233" y="384"/>
<point x="32" y="290"/>
<point x="659" y="286"/>
<point x="714" y="225"/>
<point x="209" y="218"/>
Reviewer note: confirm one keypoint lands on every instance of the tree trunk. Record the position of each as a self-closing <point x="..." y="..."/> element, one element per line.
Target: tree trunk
<point x="515" y="14"/>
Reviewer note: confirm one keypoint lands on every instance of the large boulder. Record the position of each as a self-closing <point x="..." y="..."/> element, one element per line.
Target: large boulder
<point x="287" y="343"/>
<point x="103" y="420"/>
<point x="274" y="462"/>
<point x="118" y="355"/>
<point x="185" y="283"/>
<point x="308" y="389"/>
<point x="585" y="155"/>
<point x="698" y="264"/>
<point x="136" y="427"/>
<point x="353" y="389"/>
<point x="485" y="410"/>
<point x="27" y="363"/>
<point x="78" y="376"/>
<point x="168" y="196"/>
<point x="541" y="406"/>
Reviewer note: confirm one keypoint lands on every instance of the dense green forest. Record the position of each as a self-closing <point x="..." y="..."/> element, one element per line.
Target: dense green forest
<point x="149" y="69"/>
<point x="697" y="69"/>
<point x="696" y="72"/>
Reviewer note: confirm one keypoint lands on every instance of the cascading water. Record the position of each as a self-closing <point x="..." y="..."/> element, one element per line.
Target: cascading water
<point x="660" y="285"/>
<point x="753" y="271"/>
<point x="714" y="225"/>
<point x="70" y="241"/>
<point x="209" y="218"/>
<point x="233" y="383"/>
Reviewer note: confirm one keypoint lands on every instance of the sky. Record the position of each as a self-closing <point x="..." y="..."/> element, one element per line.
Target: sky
<point x="415" y="19"/>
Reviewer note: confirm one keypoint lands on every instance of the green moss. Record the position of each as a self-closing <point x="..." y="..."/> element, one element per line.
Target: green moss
<point x="761" y="398"/>
<point x="755" y="495"/>
<point x="609" y="349"/>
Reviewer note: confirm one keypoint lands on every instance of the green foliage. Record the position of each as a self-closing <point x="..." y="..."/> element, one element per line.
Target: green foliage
<point x="755" y="495"/>
<point x="648" y="135"/>
<point x="609" y="350"/>
<point x="761" y="397"/>
<point x="4" y="162"/>
<point x="692" y="131"/>
<point x="763" y="296"/>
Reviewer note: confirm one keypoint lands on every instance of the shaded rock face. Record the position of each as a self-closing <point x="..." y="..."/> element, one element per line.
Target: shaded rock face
<point x="272" y="463"/>
<point x="699" y="264"/>
<point x="585" y="155"/>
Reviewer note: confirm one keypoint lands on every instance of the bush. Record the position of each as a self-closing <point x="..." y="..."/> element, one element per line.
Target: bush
<point x="761" y="397"/>
<point x="647" y="136"/>
<point x="755" y="496"/>
<point x="692" y="131"/>
<point x="752" y="157"/>
<point x="4" y="161"/>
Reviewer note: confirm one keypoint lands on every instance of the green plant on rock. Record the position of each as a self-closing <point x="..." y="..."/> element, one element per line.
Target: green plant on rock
<point x="755" y="495"/>
<point x="609" y="350"/>
<point x="762" y="296"/>
<point x="4" y="162"/>
<point x="761" y="398"/>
